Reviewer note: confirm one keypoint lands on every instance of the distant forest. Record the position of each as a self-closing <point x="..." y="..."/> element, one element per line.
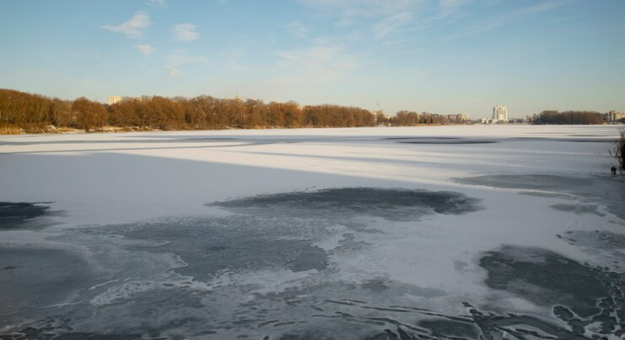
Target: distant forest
<point x="411" y="118"/>
<point x="22" y="112"/>
<point x="552" y="117"/>
<point x="32" y="113"/>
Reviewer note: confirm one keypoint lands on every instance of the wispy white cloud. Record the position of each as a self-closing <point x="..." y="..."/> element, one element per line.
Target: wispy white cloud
<point x="452" y="4"/>
<point x="183" y="57"/>
<point x="297" y="29"/>
<point x="524" y="13"/>
<point x="471" y="31"/>
<point x="185" y="32"/>
<point x="498" y="21"/>
<point x="144" y="49"/>
<point x="363" y="8"/>
<point x="316" y="62"/>
<point x="301" y="73"/>
<point x="559" y="20"/>
<point x="357" y="12"/>
<point x="389" y="25"/>
<point x="371" y="4"/>
<point x="179" y="58"/>
<point x="551" y="22"/>
<point x="133" y="28"/>
<point x="453" y="8"/>
<point x="172" y="71"/>
<point x="156" y="3"/>
<point x="93" y="55"/>
<point x="545" y="6"/>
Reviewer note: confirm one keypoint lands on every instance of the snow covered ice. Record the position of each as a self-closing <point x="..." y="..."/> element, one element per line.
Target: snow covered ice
<point x="467" y="232"/>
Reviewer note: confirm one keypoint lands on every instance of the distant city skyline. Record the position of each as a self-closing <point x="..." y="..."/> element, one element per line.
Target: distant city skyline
<point x="440" y="56"/>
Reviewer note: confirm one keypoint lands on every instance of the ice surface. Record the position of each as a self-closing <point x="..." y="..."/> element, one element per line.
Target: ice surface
<point x="472" y="232"/>
<point x="549" y="279"/>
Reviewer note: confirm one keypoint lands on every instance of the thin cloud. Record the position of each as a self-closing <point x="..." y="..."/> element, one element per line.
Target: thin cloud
<point x="389" y="25"/>
<point x="156" y="3"/>
<point x="297" y="29"/>
<point x="353" y="12"/>
<point x="185" y="32"/>
<point x="182" y="57"/>
<point x="559" y="20"/>
<point x="342" y="4"/>
<point x="451" y="4"/>
<point x="472" y="31"/>
<point x="144" y="49"/>
<point x="172" y="71"/>
<point x="449" y="8"/>
<point x="362" y="8"/>
<point x="304" y="70"/>
<point x="545" y="6"/>
<point x="319" y="62"/>
<point x="133" y="28"/>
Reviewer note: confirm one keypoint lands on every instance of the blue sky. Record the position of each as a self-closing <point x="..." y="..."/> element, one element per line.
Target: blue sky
<point x="440" y="56"/>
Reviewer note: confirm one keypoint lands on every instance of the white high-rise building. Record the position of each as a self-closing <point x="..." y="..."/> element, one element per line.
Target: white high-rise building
<point x="115" y="100"/>
<point x="500" y="114"/>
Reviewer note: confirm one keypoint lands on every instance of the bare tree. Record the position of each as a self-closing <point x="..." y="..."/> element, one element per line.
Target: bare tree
<point x="618" y="152"/>
<point x="89" y="114"/>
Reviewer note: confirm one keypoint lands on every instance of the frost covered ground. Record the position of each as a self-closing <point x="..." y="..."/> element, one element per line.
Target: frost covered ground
<point x="471" y="232"/>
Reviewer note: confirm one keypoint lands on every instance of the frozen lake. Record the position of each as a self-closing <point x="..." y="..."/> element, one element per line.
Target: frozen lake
<point x="468" y="232"/>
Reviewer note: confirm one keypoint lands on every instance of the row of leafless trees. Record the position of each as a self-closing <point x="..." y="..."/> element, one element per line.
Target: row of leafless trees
<point x="205" y="112"/>
<point x="411" y="118"/>
<point x="569" y="118"/>
<point x="31" y="111"/>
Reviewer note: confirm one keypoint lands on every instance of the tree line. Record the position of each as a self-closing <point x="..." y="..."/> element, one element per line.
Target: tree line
<point x="553" y="117"/>
<point x="411" y="118"/>
<point x="35" y="113"/>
